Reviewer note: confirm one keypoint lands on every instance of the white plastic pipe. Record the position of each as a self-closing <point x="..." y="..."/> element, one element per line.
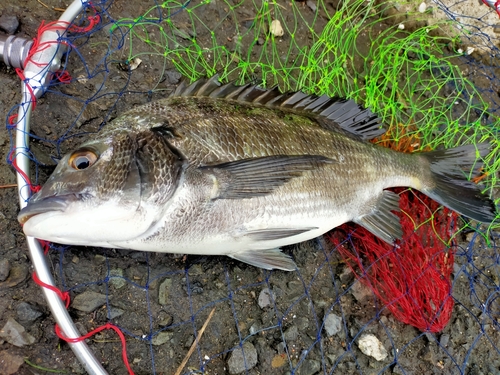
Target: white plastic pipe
<point x="495" y="4"/>
<point x="37" y="72"/>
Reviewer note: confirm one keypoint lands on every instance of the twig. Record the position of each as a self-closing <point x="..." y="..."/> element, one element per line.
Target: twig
<point x="198" y="338"/>
<point x="53" y="8"/>
<point x="8" y="186"/>
<point x="45" y="5"/>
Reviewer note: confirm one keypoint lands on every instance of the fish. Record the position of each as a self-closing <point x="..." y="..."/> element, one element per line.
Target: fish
<point x="241" y="171"/>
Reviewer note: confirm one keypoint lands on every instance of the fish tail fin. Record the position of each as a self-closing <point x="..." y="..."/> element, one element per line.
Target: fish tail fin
<point x="449" y="184"/>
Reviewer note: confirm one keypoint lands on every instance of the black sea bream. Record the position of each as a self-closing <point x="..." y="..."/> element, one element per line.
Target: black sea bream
<point x="241" y="171"/>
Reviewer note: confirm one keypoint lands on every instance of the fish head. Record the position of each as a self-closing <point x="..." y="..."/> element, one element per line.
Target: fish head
<point x="93" y="197"/>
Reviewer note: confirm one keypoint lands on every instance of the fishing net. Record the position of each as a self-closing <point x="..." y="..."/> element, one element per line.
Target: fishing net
<point x="354" y="305"/>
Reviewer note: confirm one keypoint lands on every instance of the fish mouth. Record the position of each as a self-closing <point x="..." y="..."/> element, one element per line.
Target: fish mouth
<point x="49" y="204"/>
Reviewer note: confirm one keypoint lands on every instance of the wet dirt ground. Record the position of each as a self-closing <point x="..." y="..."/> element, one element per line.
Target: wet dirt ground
<point x="161" y="301"/>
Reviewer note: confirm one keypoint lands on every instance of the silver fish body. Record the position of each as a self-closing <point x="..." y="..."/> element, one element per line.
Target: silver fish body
<point x="241" y="171"/>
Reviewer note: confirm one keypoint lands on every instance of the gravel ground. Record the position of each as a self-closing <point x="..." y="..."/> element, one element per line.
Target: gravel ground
<point x="318" y="320"/>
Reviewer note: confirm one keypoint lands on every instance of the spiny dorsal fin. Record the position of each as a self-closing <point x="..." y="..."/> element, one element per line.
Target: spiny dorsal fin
<point x="332" y="113"/>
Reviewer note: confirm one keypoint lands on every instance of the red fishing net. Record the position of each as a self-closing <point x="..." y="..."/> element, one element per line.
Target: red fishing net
<point x="413" y="278"/>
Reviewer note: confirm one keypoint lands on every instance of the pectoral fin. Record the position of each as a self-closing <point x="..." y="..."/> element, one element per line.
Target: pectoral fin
<point x="381" y="221"/>
<point x="255" y="177"/>
<point x="267" y="259"/>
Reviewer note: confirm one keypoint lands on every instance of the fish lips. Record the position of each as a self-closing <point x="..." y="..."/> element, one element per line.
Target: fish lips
<point x="48" y="204"/>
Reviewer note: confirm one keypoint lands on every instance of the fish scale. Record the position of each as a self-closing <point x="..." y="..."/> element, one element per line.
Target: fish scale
<point x="242" y="171"/>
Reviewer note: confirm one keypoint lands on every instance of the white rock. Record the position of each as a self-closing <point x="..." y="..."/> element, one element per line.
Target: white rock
<point x="266" y="297"/>
<point x="460" y="50"/>
<point x="333" y="324"/>
<point x="422" y="7"/>
<point x="469" y="50"/>
<point x="134" y="63"/>
<point x="276" y="29"/>
<point x="371" y="346"/>
<point x="401" y="26"/>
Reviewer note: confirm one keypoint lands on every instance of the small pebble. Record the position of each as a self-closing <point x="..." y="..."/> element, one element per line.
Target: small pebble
<point x="444" y="340"/>
<point x="88" y="301"/>
<point x="291" y="333"/>
<point x="370" y="345"/>
<point x="15" y="334"/>
<point x="161" y="338"/>
<point x="276" y="29"/>
<point x="4" y="269"/>
<point x="312" y="5"/>
<point x="134" y="63"/>
<point x="115" y="312"/>
<point x="116" y="279"/>
<point x="164" y="291"/>
<point x="309" y="367"/>
<point x="9" y="24"/>
<point x="422" y="7"/>
<point x="265" y="298"/>
<point x="469" y="50"/>
<point x="173" y="76"/>
<point x="237" y="363"/>
<point x="333" y="324"/>
<point x="10" y="363"/>
<point x="401" y="26"/>
<point x="361" y="292"/>
<point x="27" y="313"/>
<point x="164" y="319"/>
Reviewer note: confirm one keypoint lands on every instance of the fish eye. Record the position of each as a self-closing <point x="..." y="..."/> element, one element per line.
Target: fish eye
<point x="82" y="159"/>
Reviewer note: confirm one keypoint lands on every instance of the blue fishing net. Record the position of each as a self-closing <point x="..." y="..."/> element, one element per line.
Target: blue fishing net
<point x="220" y="315"/>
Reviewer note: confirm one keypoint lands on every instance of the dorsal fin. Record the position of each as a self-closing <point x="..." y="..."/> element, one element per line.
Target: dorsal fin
<point x="332" y="113"/>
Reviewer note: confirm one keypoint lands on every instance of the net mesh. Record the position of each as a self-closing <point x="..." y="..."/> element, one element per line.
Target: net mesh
<point x="409" y="67"/>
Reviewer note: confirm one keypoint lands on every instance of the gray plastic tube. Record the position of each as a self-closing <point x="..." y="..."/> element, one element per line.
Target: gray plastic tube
<point x="37" y="72"/>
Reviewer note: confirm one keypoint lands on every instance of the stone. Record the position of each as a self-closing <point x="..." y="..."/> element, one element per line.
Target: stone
<point x="265" y="298"/>
<point x="161" y="338"/>
<point x="4" y="269"/>
<point x="164" y="319"/>
<point x="116" y="279"/>
<point x="15" y="334"/>
<point x="444" y="340"/>
<point x="27" y="313"/>
<point x="88" y="301"/>
<point x="115" y="312"/>
<point x="333" y="324"/>
<point x="291" y="333"/>
<point x="10" y="363"/>
<point x="309" y="367"/>
<point x="173" y="76"/>
<point x="370" y="345"/>
<point x="302" y="323"/>
<point x="164" y="291"/>
<point x="276" y="29"/>
<point x="360" y="291"/>
<point x="17" y="274"/>
<point x="9" y="23"/>
<point x="238" y="363"/>
<point x="312" y="5"/>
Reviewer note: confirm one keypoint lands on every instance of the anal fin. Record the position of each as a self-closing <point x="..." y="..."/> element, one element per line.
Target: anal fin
<point x="276" y="233"/>
<point x="268" y="259"/>
<point x="381" y="221"/>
